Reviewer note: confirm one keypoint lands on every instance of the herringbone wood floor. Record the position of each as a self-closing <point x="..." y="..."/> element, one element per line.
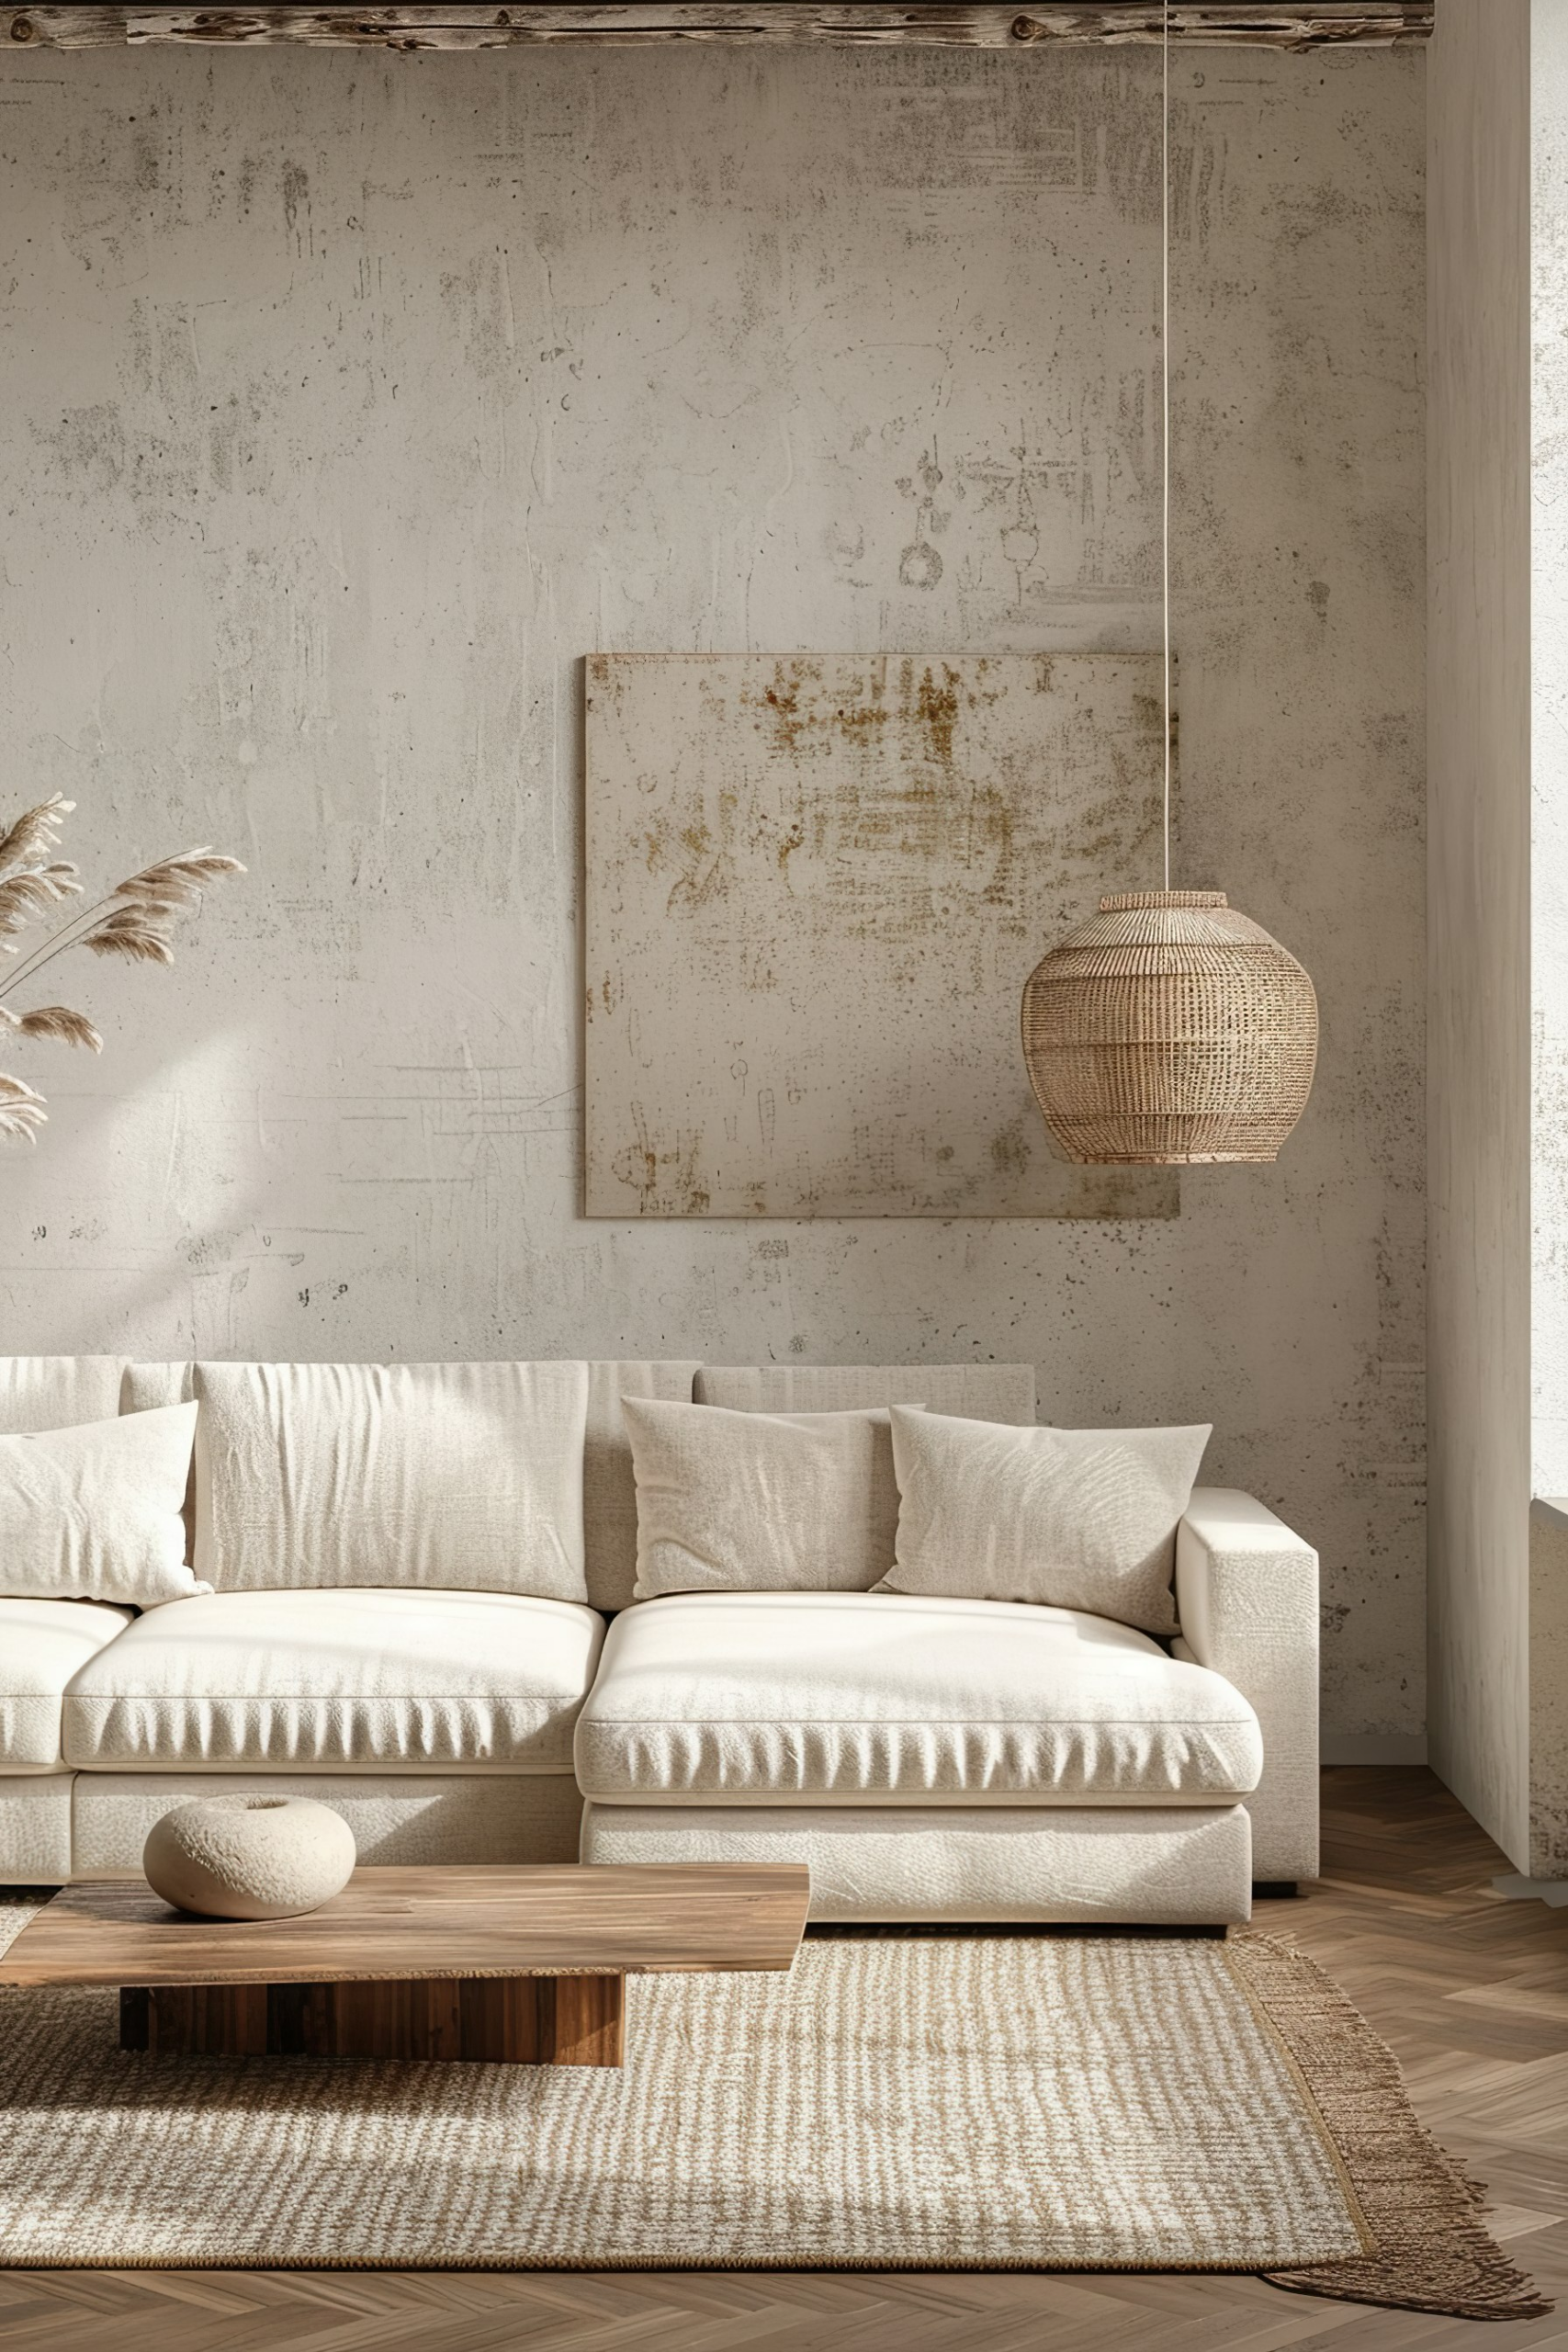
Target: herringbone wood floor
<point x="1471" y="1990"/>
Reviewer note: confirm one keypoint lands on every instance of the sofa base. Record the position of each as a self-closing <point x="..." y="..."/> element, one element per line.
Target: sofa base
<point x="395" y="1816"/>
<point x="35" y="1829"/>
<point x="1179" y="1867"/>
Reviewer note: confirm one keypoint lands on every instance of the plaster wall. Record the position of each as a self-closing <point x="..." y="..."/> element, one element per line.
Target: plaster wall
<point x="350" y="400"/>
<point x="1548" y="933"/>
<point x="1548" y="741"/>
<point x="1479" y="1077"/>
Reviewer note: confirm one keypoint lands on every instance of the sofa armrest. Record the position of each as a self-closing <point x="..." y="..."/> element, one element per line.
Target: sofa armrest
<point x="1246" y="1598"/>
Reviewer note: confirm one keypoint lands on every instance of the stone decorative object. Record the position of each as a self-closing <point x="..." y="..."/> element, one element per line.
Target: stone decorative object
<point x="250" y="1857"/>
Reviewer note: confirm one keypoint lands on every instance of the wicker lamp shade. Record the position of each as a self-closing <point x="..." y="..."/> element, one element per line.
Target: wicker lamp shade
<point x="1169" y="1029"/>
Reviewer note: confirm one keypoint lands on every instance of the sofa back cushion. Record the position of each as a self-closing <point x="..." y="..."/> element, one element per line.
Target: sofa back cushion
<point x="463" y="1475"/>
<point x="147" y="1386"/>
<point x="609" y="1488"/>
<point x="978" y="1392"/>
<point x="58" y="1392"/>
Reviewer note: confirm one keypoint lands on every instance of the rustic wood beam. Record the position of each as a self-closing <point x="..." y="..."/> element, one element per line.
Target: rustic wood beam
<point x="1267" y="24"/>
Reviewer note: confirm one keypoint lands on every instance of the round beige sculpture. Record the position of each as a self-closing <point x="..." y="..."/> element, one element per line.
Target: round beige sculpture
<point x="248" y="1857"/>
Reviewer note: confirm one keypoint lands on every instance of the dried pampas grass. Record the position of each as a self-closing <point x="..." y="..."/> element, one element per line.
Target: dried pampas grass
<point x="135" y="921"/>
<point x="21" y="1109"/>
<point x="178" y="882"/>
<point x="35" y="836"/>
<point x="54" y="1020"/>
<point x="135" y="931"/>
<point x="29" y="892"/>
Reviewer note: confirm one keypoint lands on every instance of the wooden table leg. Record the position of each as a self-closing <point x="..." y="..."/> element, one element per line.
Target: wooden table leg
<point x="219" y="2021"/>
<point x="581" y="2020"/>
<point x="517" y="2020"/>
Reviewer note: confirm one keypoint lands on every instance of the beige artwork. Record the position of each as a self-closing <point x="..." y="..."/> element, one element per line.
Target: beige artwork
<point x="816" y="886"/>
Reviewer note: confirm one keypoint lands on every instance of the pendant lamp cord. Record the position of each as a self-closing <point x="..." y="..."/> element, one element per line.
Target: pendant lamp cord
<point x="1165" y="398"/>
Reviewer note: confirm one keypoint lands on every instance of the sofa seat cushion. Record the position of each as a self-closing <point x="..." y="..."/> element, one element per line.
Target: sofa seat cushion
<point x="850" y="1698"/>
<point x="42" y="1645"/>
<point x="338" y="1679"/>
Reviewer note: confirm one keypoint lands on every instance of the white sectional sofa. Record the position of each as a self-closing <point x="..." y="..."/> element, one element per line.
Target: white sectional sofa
<point x="410" y="1627"/>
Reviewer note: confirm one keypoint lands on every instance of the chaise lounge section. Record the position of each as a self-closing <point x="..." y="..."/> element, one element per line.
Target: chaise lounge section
<point x="960" y="1759"/>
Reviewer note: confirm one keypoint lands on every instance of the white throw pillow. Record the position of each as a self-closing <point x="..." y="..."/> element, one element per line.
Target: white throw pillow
<point x="93" y="1513"/>
<point x="1077" y="1519"/>
<point x="761" y="1502"/>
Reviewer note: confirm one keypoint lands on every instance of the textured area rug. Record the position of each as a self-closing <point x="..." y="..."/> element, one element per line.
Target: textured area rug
<point x="989" y="2102"/>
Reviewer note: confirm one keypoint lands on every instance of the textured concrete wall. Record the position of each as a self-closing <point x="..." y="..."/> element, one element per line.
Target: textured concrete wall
<point x="1548" y="933"/>
<point x="349" y="400"/>
<point x="1546" y="1855"/>
<point x="1478" y="907"/>
<point x="1549" y="746"/>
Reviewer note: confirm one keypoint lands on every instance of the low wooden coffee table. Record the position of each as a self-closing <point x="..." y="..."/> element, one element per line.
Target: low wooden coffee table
<point x="526" y="1962"/>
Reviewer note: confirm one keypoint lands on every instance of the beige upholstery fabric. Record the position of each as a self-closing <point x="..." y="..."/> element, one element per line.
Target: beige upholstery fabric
<point x="1077" y="1519"/>
<point x="466" y="1475"/>
<point x="93" y="1513"/>
<point x="761" y="1502"/>
<point x="822" y="1698"/>
<point x="984" y="1391"/>
<point x="144" y="1386"/>
<point x="1246" y="1596"/>
<point x="396" y="1817"/>
<point x="35" y="1829"/>
<point x="42" y="1644"/>
<point x="1148" y="1867"/>
<point x="609" y="1490"/>
<point x="1247" y="1591"/>
<point x="335" y="1680"/>
<point x="57" y="1392"/>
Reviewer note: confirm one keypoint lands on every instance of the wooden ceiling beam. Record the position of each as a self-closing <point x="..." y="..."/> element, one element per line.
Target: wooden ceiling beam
<point x="1267" y="24"/>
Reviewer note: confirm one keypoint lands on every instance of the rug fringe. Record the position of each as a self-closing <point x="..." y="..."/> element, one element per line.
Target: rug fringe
<point x="1433" y="2252"/>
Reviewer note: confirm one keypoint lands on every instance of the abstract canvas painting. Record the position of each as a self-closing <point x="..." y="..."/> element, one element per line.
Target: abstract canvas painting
<point x="815" y="884"/>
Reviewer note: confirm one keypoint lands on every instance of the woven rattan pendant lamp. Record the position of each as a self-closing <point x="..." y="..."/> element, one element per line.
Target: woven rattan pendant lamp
<point x="1168" y="1028"/>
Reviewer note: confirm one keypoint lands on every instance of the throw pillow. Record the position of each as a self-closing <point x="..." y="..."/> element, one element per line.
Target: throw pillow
<point x="761" y="1502"/>
<point x="1078" y="1519"/>
<point x="93" y="1513"/>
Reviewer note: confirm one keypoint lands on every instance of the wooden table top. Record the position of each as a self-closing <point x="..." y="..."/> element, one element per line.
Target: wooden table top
<point x="489" y="1919"/>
